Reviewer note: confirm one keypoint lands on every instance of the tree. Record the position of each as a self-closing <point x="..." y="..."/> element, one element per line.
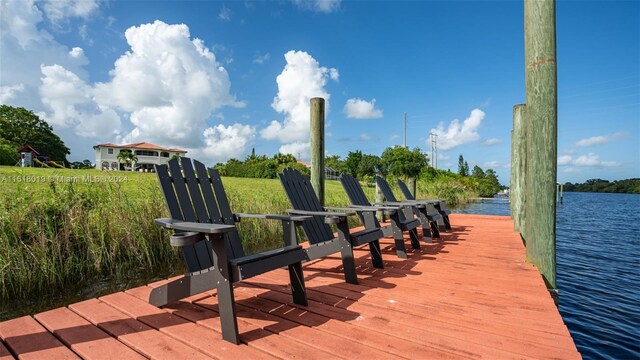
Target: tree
<point x="370" y="165"/>
<point x="352" y="162"/>
<point x="466" y="169"/>
<point x="461" y="166"/>
<point x="493" y="179"/>
<point x="335" y="163"/>
<point x="22" y="127"/>
<point x="400" y="161"/>
<point x="478" y="173"/>
<point x="127" y="157"/>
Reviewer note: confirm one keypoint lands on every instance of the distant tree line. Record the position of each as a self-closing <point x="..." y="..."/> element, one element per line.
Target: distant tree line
<point x="396" y="162"/>
<point x="628" y="186"/>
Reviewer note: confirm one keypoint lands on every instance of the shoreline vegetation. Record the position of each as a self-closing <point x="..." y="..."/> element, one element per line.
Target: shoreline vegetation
<point x="61" y="228"/>
<point x="627" y="186"/>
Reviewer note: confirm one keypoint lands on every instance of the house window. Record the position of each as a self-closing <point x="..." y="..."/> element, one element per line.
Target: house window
<point x="110" y="151"/>
<point x="164" y="154"/>
<point x="146" y="153"/>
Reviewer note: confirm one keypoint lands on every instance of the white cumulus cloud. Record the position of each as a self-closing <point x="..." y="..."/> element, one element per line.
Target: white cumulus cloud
<point x="169" y="83"/>
<point x="164" y="90"/>
<point x="361" y="109"/>
<point x="301" y="79"/>
<point x="588" y="160"/>
<point x="299" y="149"/>
<point x="602" y="139"/>
<point x="457" y="133"/>
<point x="225" y="142"/>
<point x="25" y="46"/>
<point x="69" y="101"/>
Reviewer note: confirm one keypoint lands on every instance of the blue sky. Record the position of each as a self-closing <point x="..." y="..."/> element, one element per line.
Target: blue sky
<point x="221" y="78"/>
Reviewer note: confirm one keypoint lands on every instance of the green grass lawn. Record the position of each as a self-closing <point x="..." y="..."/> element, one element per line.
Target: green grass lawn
<point x="59" y="226"/>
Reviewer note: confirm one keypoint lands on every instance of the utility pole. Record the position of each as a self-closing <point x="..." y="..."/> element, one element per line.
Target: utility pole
<point x="434" y="150"/>
<point x="405" y="129"/>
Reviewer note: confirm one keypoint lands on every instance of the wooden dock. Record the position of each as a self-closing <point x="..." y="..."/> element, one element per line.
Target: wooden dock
<point x="467" y="295"/>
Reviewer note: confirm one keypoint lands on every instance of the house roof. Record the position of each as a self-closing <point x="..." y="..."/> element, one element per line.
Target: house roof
<point x="28" y="147"/>
<point x="140" y="145"/>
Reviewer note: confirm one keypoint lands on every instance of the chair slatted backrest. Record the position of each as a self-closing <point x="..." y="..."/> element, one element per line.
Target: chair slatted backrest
<point x="302" y="197"/>
<point x="356" y="194"/>
<point x="386" y="189"/>
<point x="405" y="190"/>
<point x="197" y="195"/>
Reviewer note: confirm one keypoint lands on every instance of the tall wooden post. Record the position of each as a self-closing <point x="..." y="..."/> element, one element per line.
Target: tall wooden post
<point x="518" y="161"/>
<point x="317" y="147"/>
<point x="541" y="136"/>
<point x="411" y="184"/>
<point x="512" y="170"/>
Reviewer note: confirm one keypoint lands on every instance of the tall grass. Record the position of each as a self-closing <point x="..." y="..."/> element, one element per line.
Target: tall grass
<point x="55" y="232"/>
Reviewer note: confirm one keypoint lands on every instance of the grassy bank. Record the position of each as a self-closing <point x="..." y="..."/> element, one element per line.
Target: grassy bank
<point x="63" y="227"/>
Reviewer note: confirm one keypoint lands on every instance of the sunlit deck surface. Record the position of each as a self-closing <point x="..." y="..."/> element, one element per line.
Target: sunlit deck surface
<point x="467" y="295"/>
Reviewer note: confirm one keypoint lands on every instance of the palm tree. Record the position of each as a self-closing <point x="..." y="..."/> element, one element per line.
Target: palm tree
<point x="127" y="157"/>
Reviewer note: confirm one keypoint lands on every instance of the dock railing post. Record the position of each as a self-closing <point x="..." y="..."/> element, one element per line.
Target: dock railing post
<point x="518" y="162"/>
<point x="541" y="137"/>
<point x="317" y="147"/>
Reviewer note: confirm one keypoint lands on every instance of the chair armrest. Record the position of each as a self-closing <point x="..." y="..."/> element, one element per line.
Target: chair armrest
<point x="330" y="217"/>
<point x="271" y="217"/>
<point x="193" y="226"/>
<point x="388" y="210"/>
<point x="321" y="213"/>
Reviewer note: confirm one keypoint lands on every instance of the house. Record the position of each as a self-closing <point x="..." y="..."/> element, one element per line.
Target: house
<point x="147" y="154"/>
<point x="329" y="173"/>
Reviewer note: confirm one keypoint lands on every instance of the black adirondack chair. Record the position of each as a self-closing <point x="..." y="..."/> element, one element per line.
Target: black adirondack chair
<point x="322" y="242"/>
<point x="440" y="205"/>
<point x="425" y="212"/>
<point x="401" y="216"/>
<point x="211" y="247"/>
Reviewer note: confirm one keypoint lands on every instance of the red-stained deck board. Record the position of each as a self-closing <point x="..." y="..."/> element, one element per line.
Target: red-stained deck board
<point x="469" y="294"/>
<point x="4" y="353"/>
<point x="29" y="340"/>
<point x="84" y="338"/>
<point x="144" y="339"/>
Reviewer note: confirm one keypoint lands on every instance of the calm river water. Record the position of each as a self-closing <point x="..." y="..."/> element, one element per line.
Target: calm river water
<point x="598" y="258"/>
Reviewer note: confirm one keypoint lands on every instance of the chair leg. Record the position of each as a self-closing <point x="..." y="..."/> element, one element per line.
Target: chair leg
<point x="424" y="222"/>
<point x="434" y="229"/>
<point x="298" y="290"/>
<point x="398" y="238"/>
<point x="226" y="303"/>
<point x="447" y="223"/>
<point x="415" y="238"/>
<point x="376" y="254"/>
<point x="346" y="252"/>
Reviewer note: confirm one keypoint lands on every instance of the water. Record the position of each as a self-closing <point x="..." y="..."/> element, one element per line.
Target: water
<point x="598" y="274"/>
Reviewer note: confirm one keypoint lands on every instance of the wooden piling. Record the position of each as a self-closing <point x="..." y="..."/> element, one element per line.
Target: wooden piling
<point x="541" y="136"/>
<point x="411" y="184"/>
<point x="317" y="147"/>
<point x="518" y="161"/>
